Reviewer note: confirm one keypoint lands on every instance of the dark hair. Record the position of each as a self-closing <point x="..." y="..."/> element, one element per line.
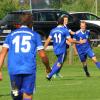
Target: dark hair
<point x="61" y="19"/>
<point x="83" y="22"/>
<point x="26" y="19"/>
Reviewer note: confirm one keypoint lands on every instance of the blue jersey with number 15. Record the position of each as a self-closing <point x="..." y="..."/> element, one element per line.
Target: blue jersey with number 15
<point x="59" y="36"/>
<point x="22" y="45"/>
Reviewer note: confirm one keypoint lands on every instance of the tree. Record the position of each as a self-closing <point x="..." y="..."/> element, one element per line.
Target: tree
<point x="11" y="5"/>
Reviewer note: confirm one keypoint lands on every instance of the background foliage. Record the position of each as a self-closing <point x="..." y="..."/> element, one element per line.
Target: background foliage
<point x="67" y="5"/>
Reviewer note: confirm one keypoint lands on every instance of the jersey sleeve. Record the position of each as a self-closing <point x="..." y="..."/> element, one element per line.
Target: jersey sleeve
<point x="39" y="42"/>
<point x="51" y="35"/>
<point x="7" y="42"/>
<point x="88" y="34"/>
<point x="74" y="37"/>
<point x="67" y="34"/>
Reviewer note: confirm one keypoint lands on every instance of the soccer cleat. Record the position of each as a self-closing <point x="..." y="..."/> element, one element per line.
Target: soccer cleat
<point x="48" y="78"/>
<point x="87" y="74"/>
<point x="54" y="76"/>
<point x="57" y="76"/>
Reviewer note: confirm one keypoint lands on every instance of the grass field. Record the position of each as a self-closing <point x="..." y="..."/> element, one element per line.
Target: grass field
<point x="73" y="86"/>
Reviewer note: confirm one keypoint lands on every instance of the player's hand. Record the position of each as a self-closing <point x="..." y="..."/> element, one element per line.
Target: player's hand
<point x="1" y="76"/>
<point x="82" y="41"/>
<point x="48" y="70"/>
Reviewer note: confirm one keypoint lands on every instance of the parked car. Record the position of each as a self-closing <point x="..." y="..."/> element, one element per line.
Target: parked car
<point x="43" y="22"/>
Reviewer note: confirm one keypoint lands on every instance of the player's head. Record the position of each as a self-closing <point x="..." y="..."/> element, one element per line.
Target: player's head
<point x="83" y="25"/>
<point x="26" y="19"/>
<point x="63" y="20"/>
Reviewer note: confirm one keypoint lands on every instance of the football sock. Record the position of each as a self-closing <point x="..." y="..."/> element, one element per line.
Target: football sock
<point x="54" y="65"/>
<point x="98" y="64"/>
<point x="27" y="99"/>
<point x="54" y="70"/>
<point x="86" y="70"/>
<point x="58" y="70"/>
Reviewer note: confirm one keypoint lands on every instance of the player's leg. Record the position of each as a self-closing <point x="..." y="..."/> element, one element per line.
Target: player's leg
<point x="83" y="58"/>
<point x="56" y="67"/>
<point x="85" y="68"/>
<point x="63" y="58"/>
<point x="16" y="83"/>
<point x="28" y="86"/>
<point x="96" y="62"/>
<point x="93" y="57"/>
<point x="27" y="96"/>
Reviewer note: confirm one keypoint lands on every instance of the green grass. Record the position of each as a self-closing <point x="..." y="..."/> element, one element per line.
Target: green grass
<point x="74" y="85"/>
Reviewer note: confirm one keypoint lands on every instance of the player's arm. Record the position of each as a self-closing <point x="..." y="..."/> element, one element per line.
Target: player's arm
<point x="76" y="42"/>
<point x="45" y="60"/>
<point x="3" y="54"/>
<point x="68" y="37"/>
<point x="42" y="53"/>
<point x="47" y="42"/>
<point x="71" y="32"/>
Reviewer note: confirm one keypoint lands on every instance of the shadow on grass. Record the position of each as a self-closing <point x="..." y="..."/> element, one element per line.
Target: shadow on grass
<point x="3" y="95"/>
<point x="75" y="78"/>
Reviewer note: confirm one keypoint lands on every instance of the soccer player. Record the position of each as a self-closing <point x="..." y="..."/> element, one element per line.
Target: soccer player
<point x="21" y="46"/>
<point x="59" y="35"/>
<point x="85" y="49"/>
<point x="67" y="42"/>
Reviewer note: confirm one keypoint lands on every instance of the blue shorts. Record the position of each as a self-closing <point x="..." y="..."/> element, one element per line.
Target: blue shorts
<point x="61" y="58"/>
<point x="83" y="55"/>
<point x="24" y="83"/>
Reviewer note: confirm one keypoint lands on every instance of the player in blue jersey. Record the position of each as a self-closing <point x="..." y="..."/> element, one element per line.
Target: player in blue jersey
<point x="85" y="49"/>
<point x="59" y="35"/>
<point x="67" y="44"/>
<point x="21" y="46"/>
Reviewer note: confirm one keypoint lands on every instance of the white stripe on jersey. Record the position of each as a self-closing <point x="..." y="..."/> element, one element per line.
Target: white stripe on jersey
<point x="6" y="45"/>
<point x="40" y="47"/>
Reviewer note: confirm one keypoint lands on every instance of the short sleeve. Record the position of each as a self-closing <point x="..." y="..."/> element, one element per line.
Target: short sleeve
<point x="74" y="37"/>
<point x="88" y="34"/>
<point x="67" y="34"/>
<point x="69" y="30"/>
<point x="39" y="42"/>
<point x="7" y="42"/>
<point x="51" y="35"/>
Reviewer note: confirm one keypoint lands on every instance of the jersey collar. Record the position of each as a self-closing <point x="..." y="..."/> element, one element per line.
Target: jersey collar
<point x="59" y="26"/>
<point x="23" y="26"/>
<point x="82" y="31"/>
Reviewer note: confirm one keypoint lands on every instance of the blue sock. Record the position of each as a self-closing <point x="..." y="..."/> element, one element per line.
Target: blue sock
<point x="27" y="99"/>
<point x="54" y="70"/>
<point x="98" y="64"/>
<point x="54" y="65"/>
<point x="58" y="70"/>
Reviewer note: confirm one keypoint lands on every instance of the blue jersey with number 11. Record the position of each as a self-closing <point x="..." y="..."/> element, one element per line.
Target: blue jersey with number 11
<point x="59" y="36"/>
<point x="22" y="45"/>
